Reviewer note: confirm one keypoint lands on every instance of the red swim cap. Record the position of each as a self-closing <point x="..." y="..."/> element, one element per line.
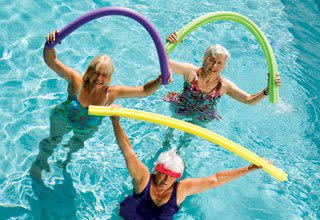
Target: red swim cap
<point x="161" y="169"/>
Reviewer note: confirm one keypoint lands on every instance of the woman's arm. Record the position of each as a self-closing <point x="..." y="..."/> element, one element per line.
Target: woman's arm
<point x="138" y="171"/>
<point x="50" y="58"/>
<point x="186" y="69"/>
<point x="251" y="99"/>
<point x="196" y="185"/>
<point x="120" y="91"/>
<point x="238" y="94"/>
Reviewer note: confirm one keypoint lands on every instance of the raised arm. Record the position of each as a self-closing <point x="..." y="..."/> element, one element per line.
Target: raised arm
<point x="188" y="70"/>
<point x="192" y="186"/>
<point x="138" y="171"/>
<point x="50" y="58"/>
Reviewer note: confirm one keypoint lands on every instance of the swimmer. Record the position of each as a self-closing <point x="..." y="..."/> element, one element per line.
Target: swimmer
<point x="159" y="195"/>
<point x="72" y="115"/>
<point x="203" y="86"/>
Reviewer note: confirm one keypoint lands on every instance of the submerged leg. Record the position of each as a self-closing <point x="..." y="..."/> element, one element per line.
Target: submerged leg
<point x="75" y="144"/>
<point x="58" y="128"/>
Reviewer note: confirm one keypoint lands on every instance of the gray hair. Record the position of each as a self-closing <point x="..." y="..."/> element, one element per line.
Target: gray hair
<point x="171" y="161"/>
<point x="216" y="49"/>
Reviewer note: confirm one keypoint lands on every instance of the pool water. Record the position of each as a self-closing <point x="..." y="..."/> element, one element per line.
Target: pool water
<point x="96" y="180"/>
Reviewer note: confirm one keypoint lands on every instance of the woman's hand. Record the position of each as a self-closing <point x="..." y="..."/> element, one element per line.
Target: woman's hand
<point x="172" y="38"/>
<point x="115" y="106"/>
<point x="159" y="79"/>
<point x="255" y="167"/>
<point x="277" y="80"/>
<point x="114" y="119"/>
<point x="52" y="37"/>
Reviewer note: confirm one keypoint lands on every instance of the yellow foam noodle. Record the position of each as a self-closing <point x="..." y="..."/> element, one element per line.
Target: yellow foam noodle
<point x="192" y="129"/>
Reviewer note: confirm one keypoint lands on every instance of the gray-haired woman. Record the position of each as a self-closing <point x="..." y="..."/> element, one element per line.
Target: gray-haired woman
<point x="204" y="85"/>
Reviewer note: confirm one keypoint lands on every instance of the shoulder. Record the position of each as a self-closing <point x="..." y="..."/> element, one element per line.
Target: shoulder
<point x="192" y="74"/>
<point x="114" y="88"/>
<point x="74" y="86"/>
<point x="112" y="93"/>
<point x="182" y="190"/>
<point x="226" y="81"/>
<point x="140" y="187"/>
<point x="183" y="186"/>
<point x="226" y="84"/>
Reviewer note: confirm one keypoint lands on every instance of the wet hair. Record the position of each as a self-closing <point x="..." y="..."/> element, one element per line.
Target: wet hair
<point x="171" y="161"/>
<point x="215" y="50"/>
<point x="101" y="61"/>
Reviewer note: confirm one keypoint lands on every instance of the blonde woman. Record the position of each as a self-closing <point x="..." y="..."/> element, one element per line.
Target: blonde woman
<point x="72" y="115"/>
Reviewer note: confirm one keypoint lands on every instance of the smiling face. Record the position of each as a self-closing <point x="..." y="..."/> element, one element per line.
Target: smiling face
<point x="215" y="58"/>
<point x="214" y="64"/>
<point x="98" y="73"/>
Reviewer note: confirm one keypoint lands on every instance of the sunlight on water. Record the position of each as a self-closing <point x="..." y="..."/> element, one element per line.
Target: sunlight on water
<point x="96" y="180"/>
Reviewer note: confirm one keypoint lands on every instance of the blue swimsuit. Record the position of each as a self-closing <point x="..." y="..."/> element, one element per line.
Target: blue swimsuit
<point x="79" y="117"/>
<point x="76" y="116"/>
<point x="141" y="206"/>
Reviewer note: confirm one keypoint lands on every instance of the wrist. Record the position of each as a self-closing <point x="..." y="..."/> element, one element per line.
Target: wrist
<point x="159" y="80"/>
<point x="266" y="91"/>
<point x="49" y="49"/>
<point x="115" y="122"/>
<point x="253" y="167"/>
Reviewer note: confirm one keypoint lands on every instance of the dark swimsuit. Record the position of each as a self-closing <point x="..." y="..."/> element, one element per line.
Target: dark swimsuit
<point x="192" y="102"/>
<point x="141" y="206"/>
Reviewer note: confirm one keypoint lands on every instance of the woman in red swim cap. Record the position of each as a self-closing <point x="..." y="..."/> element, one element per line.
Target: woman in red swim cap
<point x="159" y="195"/>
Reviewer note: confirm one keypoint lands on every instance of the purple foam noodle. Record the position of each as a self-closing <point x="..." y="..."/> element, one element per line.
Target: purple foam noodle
<point x="106" y="11"/>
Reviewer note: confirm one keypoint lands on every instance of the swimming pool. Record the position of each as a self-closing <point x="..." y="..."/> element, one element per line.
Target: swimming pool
<point x="97" y="180"/>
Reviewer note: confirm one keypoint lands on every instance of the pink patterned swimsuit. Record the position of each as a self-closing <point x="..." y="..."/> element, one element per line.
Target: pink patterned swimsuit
<point x="192" y="102"/>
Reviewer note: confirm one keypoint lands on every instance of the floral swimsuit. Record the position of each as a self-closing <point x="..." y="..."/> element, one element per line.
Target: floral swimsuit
<point x="192" y="102"/>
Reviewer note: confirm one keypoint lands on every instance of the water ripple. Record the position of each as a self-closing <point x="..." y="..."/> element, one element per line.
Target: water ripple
<point x="96" y="179"/>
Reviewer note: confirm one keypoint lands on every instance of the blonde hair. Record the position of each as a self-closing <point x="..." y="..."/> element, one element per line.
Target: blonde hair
<point x="101" y="61"/>
<point x="215" y="50"/>
<point x="171" y="161"/>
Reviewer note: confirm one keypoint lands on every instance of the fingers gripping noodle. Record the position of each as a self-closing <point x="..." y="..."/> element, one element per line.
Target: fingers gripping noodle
<point x="192" y="129"/>
<point x="124" y="12"/>
<point x="252" y="27"/>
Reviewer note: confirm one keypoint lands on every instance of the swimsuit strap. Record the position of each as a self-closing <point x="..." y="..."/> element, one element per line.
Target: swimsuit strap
<point x="173" y="198"/>
<point x="214" y="90"/>
<point x="194" y="83"/>
<point x="218" y="87"/>
<point x="145" y="191"/>
<point x="107" y="94"/>
<point x="79" y="90"/>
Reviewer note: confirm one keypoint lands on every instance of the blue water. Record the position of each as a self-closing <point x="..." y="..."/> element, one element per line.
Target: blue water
<point x="96" y="180"/>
